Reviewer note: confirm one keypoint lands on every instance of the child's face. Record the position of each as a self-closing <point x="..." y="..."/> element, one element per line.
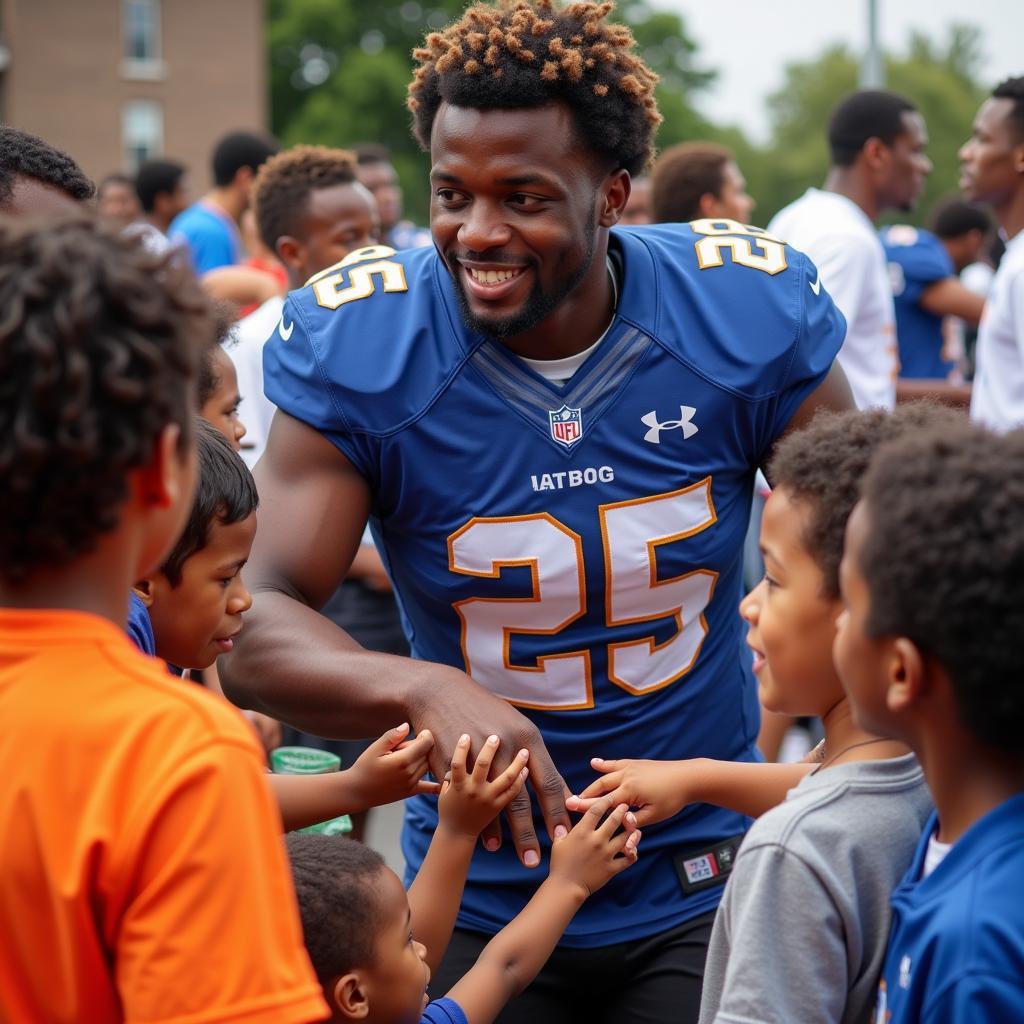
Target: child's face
<point x="221" y="409"/>
<point x="398" y="978"/>
<point x="198" y="619"/>
<point x="792" y="623"/>
<point x="859" y="658"/>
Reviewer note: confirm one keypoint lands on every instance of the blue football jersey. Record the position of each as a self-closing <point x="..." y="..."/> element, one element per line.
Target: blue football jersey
<point x="956" y="943"/>
<point x="917" y="260"/>
<point x="576" y="549"/>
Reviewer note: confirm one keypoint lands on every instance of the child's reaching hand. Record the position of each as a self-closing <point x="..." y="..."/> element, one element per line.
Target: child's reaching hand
<point x="658" y="789"/>
<point x="595" y="851"/>
<point x="468" y="801"/>
<point x="391" y="768"/>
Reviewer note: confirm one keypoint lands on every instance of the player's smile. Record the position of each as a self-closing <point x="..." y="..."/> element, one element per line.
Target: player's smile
<point x="517" y="214"/>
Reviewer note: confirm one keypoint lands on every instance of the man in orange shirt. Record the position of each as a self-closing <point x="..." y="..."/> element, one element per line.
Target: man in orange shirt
<point x="142" y="876"/>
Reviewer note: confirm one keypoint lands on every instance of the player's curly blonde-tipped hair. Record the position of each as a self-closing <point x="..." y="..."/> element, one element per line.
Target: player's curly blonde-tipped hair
<point x="525" y="53"/>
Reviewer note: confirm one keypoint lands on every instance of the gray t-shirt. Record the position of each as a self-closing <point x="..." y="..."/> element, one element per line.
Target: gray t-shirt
<point x="801" y="931"/>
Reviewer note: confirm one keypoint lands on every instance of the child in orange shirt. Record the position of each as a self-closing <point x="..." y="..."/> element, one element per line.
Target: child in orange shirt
<point x="141" y="872"/>
<point x="196" y="601"/>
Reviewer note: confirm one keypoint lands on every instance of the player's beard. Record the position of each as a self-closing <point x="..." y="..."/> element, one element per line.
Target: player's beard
<point x="539" y="304"/>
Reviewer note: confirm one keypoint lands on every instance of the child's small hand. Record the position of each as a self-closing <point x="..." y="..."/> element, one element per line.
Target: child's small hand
<point x="595" y="851"/>
<point x="390" y="769"/>
<point x="468" y="800"/>
<point x="658" y="789"/>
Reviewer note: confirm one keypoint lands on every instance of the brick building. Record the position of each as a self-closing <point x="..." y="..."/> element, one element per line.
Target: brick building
<point x="116" y="81"/>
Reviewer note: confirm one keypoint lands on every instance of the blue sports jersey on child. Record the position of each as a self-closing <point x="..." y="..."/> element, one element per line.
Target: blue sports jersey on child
<point x="443" y="1011"/>
<point x="211" y="236"/>
<point x="577" y="549"/>
<point x="956" y="945"/>
<point x="917" y="260"/>
<point x="140" y="626"/>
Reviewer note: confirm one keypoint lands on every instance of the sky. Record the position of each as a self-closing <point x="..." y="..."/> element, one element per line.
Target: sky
<point x="749" y="42"/>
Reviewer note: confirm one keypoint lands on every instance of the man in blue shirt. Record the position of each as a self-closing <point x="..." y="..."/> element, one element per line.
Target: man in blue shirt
<point x="210" y="226"/>
<point x="553" y="428"/>
<point x="923" y="267"/>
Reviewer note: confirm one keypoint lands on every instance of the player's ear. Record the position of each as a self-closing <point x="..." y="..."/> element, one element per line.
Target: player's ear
<point x="289" y="252"/>
<point x="707" y="207"/>
<point x="613" y="196"/>
<point x="875" y="154"/>
<point x="349" y="996"/>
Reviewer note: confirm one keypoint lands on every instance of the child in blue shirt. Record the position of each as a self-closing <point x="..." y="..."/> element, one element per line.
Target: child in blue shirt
<point x="928" y="649"/>
<point x="374" y="947"/>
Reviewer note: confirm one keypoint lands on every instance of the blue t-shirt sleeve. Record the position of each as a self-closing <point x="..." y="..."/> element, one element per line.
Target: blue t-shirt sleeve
<point x="443" y="1011"/>
<point x="821" y="331"/>
<point x="140" y="626"/>
<point x="209" y="242"/>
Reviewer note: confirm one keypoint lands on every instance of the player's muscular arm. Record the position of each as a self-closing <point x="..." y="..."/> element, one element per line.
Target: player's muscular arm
<point x="295" y="664"/>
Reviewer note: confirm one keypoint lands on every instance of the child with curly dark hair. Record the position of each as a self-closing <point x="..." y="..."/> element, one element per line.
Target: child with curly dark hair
<point x="126" y="795"/>
<point x="928" y="648"/>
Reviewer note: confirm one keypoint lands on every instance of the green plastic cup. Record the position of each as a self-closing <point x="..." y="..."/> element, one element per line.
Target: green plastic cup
<point x="310" y="761"/>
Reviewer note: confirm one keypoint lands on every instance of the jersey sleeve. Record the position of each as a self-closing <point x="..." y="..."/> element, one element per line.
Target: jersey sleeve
<point x="295" y="380"/>
<point x="210" y="930"/>
<point x="923" y="265"/>
<point x="822" y="329"/>
<point x="443" y="1011"/>
<point x="786" y="951"/>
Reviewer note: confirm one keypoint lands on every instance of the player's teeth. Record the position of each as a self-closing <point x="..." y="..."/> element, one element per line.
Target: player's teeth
<point x="492" y="276"/>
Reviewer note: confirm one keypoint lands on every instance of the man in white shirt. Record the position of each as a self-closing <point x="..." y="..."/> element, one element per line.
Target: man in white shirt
<point x="877" y="141"/>
<point x="311" y="211"/>
<point x="992" y="171"/>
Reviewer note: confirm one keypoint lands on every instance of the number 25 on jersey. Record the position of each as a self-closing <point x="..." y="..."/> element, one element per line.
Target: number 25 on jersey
<point x="631" y="533"/>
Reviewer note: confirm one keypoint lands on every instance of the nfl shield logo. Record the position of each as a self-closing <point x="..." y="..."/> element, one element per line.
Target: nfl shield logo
<point x="566" y="425"/>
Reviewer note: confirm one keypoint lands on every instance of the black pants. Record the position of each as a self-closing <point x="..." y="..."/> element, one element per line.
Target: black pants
<point x="656" y="980"/>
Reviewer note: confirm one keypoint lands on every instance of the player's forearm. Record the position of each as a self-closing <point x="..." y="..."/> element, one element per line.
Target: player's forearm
<point x="436" y="893"/>
<point x="746" y="787"/>
<point x="294" y="664"/>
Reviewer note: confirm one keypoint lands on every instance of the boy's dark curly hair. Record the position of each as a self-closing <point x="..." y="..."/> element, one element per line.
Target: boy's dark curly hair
<point x="943" y="561"/>
<point x="225" y="493"/>
<point x="99" y="341"/>
<point x="27" y="156"/>
<point x="284" y="182"/>
<point x="524" y="53"/>
<point x="821" y="467"/>
<point x="336" y="884"/>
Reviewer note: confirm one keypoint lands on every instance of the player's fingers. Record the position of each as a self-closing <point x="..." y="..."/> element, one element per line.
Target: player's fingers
<point x="552" y="793"/>
<point x="524" y="835"/>
<point x="491" y="836"/>
<point x="459" y="756"/>
<point x="513" y="772"/>
<point x="484" y="759"/>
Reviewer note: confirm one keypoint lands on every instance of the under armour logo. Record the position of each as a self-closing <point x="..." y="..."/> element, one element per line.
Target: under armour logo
<point x="685" y="423"/>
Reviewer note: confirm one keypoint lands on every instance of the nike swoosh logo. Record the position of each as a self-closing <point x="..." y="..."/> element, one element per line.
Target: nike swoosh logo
<point x="285" y="334"/>
<point x="815" y="285"/>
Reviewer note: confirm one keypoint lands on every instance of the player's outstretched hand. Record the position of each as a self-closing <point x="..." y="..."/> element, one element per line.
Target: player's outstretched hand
<point x="469" y="800"/>
<point x="449" y="703"/>
<point x="658" y="789"/>
<point x="599" y="846"/>
<point x="390" y="769"/>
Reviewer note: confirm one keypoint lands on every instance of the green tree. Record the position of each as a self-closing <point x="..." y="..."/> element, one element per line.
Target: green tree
<point x="941" y="78"/>
<point x="339" y="71"/>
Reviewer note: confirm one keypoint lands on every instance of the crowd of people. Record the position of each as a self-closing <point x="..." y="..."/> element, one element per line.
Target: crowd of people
<point x="467" y="508"/>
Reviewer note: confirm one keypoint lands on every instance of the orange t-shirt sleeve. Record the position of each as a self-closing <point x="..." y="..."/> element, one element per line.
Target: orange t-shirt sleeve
<point x="210" y="930"/>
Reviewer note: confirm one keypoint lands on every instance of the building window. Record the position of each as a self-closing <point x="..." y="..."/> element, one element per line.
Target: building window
<point x="142" y="132"/>
<point x="141" y="29"/>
